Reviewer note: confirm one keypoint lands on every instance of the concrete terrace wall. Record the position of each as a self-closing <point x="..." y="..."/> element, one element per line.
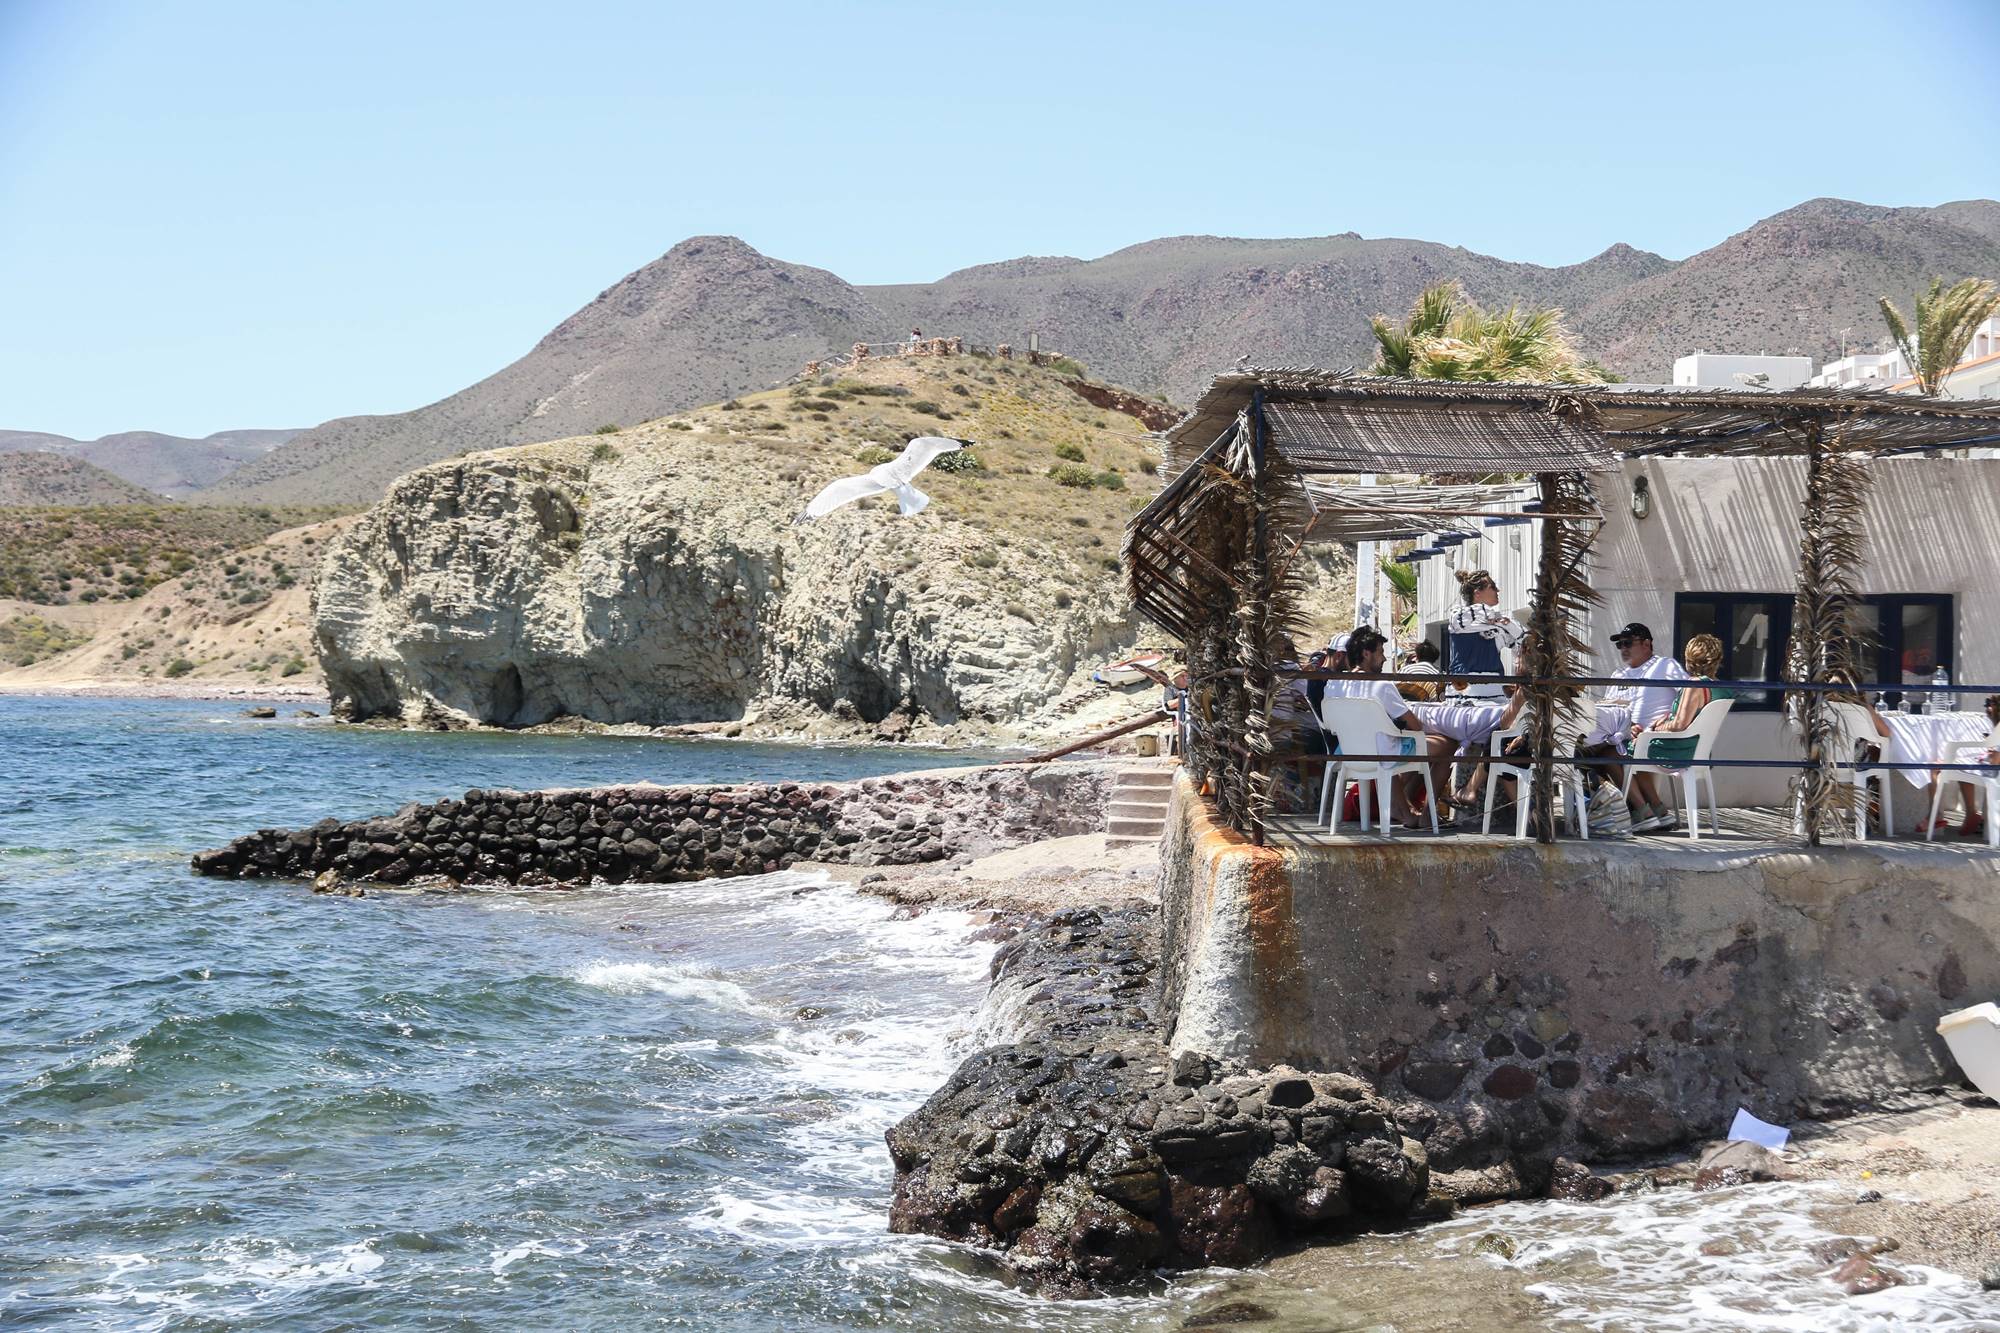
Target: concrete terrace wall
<point x="649" y="833"/>
<point x="1602" y="998"/>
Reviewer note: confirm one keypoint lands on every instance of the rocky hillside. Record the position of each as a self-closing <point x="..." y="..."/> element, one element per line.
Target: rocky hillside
<point x="172" y="465"/>
<point x="654" y="575"/>
<point x="35" y="478"/>
<point x="713" y="317"/>
<point x="228" y="614"/>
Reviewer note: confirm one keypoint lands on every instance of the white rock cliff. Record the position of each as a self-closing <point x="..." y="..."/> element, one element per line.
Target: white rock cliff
<point x="519" y="587"/>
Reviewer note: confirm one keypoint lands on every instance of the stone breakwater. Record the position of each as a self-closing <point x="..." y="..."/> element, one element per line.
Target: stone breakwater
<point x="1085" y="1155"/>
<point x="654" y="834"/>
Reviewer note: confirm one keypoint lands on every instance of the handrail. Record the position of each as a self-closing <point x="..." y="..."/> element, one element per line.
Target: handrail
<point x="1781" y="686"/>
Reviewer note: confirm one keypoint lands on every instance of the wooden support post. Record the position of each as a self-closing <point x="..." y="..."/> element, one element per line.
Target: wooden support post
<point x="1545" y="631"/>
<point x="1825" y="632"/>
<point x="1257" y="777"/>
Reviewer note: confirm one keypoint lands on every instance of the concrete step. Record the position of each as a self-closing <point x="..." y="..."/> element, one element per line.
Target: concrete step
<point x="1131" y="840"/>
<point x="1153" y="810"/>
<point x="1162" y="778"/>
<point x="1137" y="828"/>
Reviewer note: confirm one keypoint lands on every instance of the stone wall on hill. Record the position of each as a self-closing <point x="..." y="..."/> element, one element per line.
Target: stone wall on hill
<point x="647" y="833"/>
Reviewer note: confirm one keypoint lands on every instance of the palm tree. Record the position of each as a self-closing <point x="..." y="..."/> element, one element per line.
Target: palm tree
<point x="1402" y="581"/>
<point x="1947" y="317"/>
<point x="1448" y="336"/>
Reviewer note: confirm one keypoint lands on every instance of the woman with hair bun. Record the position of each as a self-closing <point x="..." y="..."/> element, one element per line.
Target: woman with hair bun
<point x="1480" y="632"/>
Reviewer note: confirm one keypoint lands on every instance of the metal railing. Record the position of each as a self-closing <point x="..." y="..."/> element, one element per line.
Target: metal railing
<point x="1215" y="735"/>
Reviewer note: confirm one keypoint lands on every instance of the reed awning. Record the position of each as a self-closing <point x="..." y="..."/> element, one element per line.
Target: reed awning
<point x="1377" y="435"/>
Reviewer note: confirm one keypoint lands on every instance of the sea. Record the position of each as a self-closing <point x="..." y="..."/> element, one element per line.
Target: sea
<point x="234" y="1105"/>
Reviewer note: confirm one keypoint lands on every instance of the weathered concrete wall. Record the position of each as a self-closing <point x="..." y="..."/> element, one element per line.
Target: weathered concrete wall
<point x="1602" y="998"/>
<point x="649" y="833"/>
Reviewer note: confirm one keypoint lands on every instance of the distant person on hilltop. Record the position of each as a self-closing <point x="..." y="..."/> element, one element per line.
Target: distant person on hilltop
<point x="916" y="336"/>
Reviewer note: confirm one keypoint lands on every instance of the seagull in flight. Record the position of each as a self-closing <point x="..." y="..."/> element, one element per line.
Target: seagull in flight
<point x="894" y="475"/>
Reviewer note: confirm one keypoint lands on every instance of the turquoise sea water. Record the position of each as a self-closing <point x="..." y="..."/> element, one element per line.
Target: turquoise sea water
<point x="238" y="1105"/>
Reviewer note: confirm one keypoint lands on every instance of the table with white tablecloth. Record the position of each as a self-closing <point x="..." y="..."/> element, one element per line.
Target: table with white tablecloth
<point x="1927" y="738"/>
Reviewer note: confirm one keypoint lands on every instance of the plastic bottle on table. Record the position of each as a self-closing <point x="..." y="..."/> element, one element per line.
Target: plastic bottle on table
<point x="1940" y="700"/>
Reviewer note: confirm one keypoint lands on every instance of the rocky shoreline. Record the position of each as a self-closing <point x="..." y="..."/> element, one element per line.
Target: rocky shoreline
<point x="1084" y="1156"/>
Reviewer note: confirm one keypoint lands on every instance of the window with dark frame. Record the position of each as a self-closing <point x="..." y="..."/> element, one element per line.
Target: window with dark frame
<point x="1754" y="629"/>
<point x="1913" y="633"/>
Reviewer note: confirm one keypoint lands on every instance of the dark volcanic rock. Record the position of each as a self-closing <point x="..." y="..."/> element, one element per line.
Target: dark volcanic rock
<point x="1085" y="1155"/>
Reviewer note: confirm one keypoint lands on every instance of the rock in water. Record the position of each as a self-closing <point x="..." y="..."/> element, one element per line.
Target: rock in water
<point x="1860" y="1275"/>
<point x="1739" y="1163"/>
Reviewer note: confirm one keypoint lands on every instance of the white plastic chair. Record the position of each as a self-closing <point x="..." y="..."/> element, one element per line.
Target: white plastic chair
<point x="1569" y="777"/>
<point x="1358" y="726"/>
<point x="1692" y="771"/>
<point x="1962" y="752"/>
<point x="1852" y="728"/>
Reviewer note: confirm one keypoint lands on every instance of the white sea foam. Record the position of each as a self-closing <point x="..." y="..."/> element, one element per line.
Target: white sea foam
<point x="793" y="1218"/>
<point x="1637" y="1264"/>
<point x="271" y="1267"/>
<point x="113" y="1058"/>
<point x="552" y="1249"/>
<point x="663" y="979"/>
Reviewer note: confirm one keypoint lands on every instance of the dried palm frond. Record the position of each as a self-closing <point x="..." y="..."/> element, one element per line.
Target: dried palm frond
<point x="1827" y="636"/>
<point x="1563" y="596"/>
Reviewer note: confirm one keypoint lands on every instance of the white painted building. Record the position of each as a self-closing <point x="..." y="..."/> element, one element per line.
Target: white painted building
<point x="1978" y="375"/>
<point x="1862" y="370"/>
<point x="1726" y="371"/>
<point x="1717" y="552"/>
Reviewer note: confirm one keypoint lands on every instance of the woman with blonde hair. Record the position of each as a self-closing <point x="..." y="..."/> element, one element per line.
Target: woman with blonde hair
<point x="1703" y="658"/>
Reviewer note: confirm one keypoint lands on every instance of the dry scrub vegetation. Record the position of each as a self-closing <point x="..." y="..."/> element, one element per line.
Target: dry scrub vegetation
<point x="1044" y="465"/>
<point x="63" y="555"/>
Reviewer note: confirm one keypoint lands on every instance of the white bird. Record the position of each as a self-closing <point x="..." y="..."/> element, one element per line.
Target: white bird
<point x="894" y="475"/>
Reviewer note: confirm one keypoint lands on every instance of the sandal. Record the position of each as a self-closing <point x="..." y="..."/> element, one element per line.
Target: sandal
<point x="1974" y="829"/>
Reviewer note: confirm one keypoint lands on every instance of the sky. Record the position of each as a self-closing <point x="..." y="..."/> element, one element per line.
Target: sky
<point x="222" y="215"/>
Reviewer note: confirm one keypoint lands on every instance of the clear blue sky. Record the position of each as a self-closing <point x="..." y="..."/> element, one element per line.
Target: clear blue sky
<point x="218" y="215"/>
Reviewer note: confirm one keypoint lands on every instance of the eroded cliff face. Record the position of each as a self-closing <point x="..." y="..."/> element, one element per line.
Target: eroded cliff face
<point x="518" y="587"/>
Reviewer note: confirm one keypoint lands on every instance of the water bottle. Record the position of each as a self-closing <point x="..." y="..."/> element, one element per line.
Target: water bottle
<point x="1940" y="699"/>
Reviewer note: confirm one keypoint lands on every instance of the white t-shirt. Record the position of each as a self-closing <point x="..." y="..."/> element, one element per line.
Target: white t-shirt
<point x="1649" y="703"/>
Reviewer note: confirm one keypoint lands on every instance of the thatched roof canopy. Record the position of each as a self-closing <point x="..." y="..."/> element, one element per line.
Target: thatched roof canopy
<point x="1326" y="421"/>
<point x="1322" y="425"/>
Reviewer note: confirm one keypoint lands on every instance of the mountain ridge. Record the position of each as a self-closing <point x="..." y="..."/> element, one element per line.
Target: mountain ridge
<point x="173" y="465"/>
<point x="714" y="317"/>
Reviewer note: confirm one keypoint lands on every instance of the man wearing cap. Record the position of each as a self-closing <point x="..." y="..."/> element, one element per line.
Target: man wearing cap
<point x="1649" y="698"/>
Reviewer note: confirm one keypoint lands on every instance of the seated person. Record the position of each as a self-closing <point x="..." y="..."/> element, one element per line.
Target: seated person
<point x="1480" y="632"/>
<point x="1174" y="703"/>
<point x="1866" y="749"/>
<point x="1295" y="722"/>
<point x="1649" y="698"/>
<point x="1367" y="650"/>
<point x="1973" y="825"/>
<point x="1421" y="660"/>
<point x="1704" y="658"/>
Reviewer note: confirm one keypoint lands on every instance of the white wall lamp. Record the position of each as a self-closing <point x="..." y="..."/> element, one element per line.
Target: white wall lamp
<point x="1642" y="497"/>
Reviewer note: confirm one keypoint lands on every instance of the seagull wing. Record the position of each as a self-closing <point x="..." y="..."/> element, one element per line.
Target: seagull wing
<point x="918" y="454"/>
<point x="843" y="492"/>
